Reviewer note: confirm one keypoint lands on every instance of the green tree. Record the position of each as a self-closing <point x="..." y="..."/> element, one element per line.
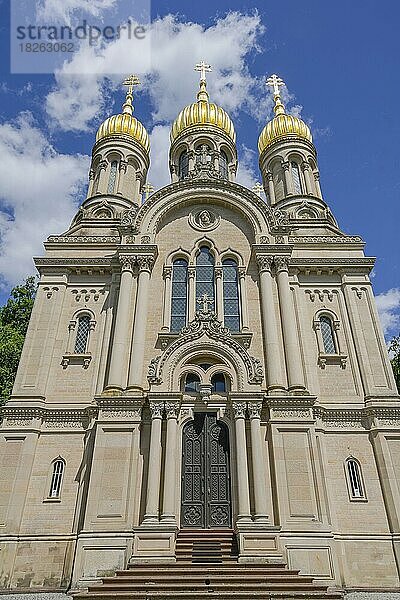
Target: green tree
<point x="394" y="350"/>
<point x="14" y="320"/>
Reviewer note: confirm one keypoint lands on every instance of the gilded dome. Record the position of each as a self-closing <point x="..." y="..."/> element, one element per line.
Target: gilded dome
<point x="282" y="126"/>
<point x="125" y="123"/>
<point x="203" y="112"/>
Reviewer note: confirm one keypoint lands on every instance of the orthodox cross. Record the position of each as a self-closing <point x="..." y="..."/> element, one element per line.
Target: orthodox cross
<point x="275" y="83"/>
<point x="203" y="68"/>
<point x="148" y="189"/>
<point x="130" y="82"/>
<point x="205" y="300"/>
<point x="258" y="188"/>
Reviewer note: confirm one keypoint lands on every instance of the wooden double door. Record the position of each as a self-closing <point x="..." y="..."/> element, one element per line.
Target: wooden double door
<point x="206" y="481"/>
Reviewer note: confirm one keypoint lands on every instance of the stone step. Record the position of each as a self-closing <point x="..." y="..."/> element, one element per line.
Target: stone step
<point x="181" y="569"/>
<point x="166" y="586"/>
<point x="205" y="595"/>
<point x="201" y="577"/>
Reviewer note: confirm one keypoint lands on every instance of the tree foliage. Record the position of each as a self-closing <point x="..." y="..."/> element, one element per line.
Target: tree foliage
<point x="14" y="320"/>
<point x="394" y="350"/>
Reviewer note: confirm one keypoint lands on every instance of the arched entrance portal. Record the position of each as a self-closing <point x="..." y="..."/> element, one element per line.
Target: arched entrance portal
<point x="206" y="486"/>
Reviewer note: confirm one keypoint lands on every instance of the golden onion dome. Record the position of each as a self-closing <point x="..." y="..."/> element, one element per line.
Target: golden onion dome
<point x="282" y="126"/>
<point x="125" y="123"/>
<point x="203" y="112"/>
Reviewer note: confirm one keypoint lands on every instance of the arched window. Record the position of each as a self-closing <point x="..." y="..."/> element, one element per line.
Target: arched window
<point x="297" y="189"/>
<point x="328" y="337"/>
<point x="205" y="275"/>
<point x="223" y="165"/>
<point x="192" y="382"/>
<point x="231" y="294"/>
<point x="353" y="470"/>
<point x="218" y="383"/>
<point x="56" y="478"/>
<point x="179" y="294"/>
<point x="183" y="165"/>
<point x="82" y="335"/>
<point x="112" y="178"/>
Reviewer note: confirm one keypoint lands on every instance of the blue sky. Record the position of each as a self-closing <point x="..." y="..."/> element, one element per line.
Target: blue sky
<point x="340" y="63"/>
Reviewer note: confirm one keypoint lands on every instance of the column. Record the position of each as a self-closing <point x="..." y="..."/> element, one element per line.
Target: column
<point x="219" y="289"/>
<point x="122" y="332"/>
<point x="139" y="331"/>
<point x="271" y="188"/>
<point x="269" y="316"/>
<point x="192" y="292"/>
<point x="154" y="471"/>
<point x="138" y="188"/>
<point x="167" y="274"/>
<point x="288" y="180"/>
<point x="307" y="178"/>
<point x="170" y="483"/>
<point x="122" y="176"/>
<point x="289" y="328"/>
<point x="257" y="456"/>
<point x="239" y="409"/>
<point x="317" y="185"/>
<point x="102" y="185"/>
<point x="243" y="298"/>
<point x="91" y="182"/>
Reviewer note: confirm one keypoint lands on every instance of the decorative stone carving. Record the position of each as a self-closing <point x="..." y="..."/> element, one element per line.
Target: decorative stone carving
<point x="156" y="409"/>
<point x="264" y="262"/>
<point x="128" y="217"/>
<point x="204" y="220"/>
<point x="255" y="409"/>
<point x="239" y="410"/>
<point x="172" y="410"/>
<point x="145" y="263"/>
<point x="281" y="263"/>
<point x="127" y="262"/>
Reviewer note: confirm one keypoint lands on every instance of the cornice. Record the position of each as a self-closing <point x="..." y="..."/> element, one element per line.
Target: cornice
<point x="76" y="263"/>
<point x="46" y="418"/>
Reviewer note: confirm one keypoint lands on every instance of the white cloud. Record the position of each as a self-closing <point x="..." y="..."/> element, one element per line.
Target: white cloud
<point x="388" y="304"/>
<point x="159" y="174"/>
<point x="246" y="174"/>
<point x="166" y="67"/>
<point x="63" y="11"/>
<point x="39" y="192"/>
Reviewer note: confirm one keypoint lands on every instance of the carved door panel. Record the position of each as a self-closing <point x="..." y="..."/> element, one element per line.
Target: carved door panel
<point x="206" y="498"/>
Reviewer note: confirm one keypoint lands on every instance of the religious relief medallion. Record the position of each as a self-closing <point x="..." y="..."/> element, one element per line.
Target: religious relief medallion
<point x="204" y="220"/>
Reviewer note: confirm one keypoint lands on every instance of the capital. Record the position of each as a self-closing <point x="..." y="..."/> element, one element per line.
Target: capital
<point x="167" y="272"/>
<point x="218" y="272"/>
<point x="123" y="165"/>
<point x="285" y="166"/>
<point x="127" y="262"/>
<point x="103" y="165"/>
<point x="172" y="410"/>
<point x="270" y="175"/>
<point x="281" y="263"/>
<point x="145" y="263"/>
<point x="156" y="410"/>
<point x="255" y="410"/>
<point x="91" y="174"/>
<point x="305" y="165"/>
<point x="264" y="262"/>
<point x="239" y="410"/>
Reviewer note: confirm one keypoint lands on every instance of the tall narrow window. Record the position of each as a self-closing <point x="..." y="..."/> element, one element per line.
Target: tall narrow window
<point x="179" y="294"/>
<point x="205" y="276"/>
<point x="355" y="480"/>
<point x="223" y="165"/>
<point x="56" y="478"/>
<point x="296" y="178"/>
<point x="218" y="383"/>
<point x="82" y="335"/>
<point x="328" y="337"/>
<point x="112" y="178"/>
<point x="231" y="295"/>
<point x="183" y="165"/>
<point x="192" y="382"/>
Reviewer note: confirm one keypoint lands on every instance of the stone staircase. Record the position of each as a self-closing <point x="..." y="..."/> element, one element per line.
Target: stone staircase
<point x="207" y="568"/>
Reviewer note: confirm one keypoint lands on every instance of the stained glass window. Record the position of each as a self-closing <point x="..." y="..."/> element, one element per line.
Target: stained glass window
<point x="179" y="294"/>
<point x="56" y="479"/>
<point x="205" y="276"/>
<point x="183" y="165"/>
<point x="296" y="178"/>
<point x="223" y="165"/>
<point x="82" y="334"/>
<point x="231" y="295"/>
<point x="112" y="178"/>
<point x="327" y="335"/>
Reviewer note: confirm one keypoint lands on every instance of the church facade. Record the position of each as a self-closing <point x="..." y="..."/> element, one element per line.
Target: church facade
<point x="204" y="357"/>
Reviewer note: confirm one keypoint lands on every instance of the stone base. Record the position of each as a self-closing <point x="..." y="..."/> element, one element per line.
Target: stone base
<point x="258" y="543"/>
<point x="154" y="543"/>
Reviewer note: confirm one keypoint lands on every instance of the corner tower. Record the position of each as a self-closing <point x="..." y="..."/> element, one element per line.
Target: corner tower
<point x="120" y="158"/>
<point x="203" y="139"/>
<point x="288" y="158"/>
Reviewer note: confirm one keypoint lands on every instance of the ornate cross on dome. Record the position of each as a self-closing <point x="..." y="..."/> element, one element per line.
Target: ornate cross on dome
<point x="204" y="301"/>
<point x="203" y="68"/>
<point x="148" y="189"/>
<point x="130" y="82"/>
<point x="275" y="83"/>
